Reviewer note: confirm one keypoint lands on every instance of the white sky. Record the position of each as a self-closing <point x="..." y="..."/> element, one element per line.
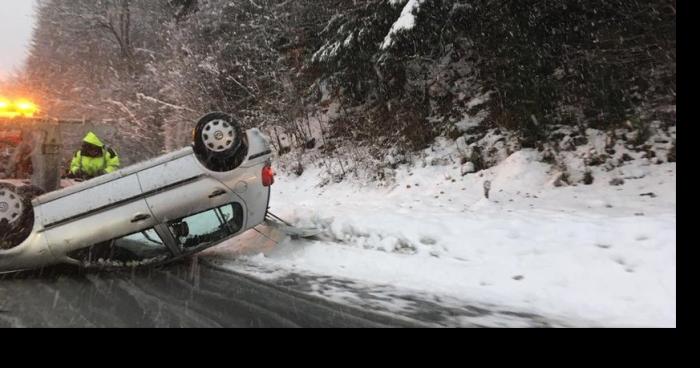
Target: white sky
<point x="16" y="22"/>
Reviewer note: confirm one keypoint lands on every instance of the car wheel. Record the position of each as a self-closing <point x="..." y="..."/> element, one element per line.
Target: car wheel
<point x="16" y="215"/>
<point x="218" y="142"/>
<point x="12" y="205"/>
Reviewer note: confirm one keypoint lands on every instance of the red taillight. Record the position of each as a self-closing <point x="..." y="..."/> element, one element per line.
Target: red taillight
<point x="268" y="175"/>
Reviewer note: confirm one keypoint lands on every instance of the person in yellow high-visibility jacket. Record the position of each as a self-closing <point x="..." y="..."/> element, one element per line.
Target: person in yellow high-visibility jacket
<point x="93" y="159"/>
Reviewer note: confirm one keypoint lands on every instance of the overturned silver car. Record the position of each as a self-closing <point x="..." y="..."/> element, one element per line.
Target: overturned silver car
<point x="151" y="213"/>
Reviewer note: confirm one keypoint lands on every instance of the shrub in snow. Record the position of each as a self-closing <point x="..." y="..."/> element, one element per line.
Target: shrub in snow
<point x="298" y="169"/>
<point x="468" y="168"/>
<point x="596" y="160"/>
<point x="487" y="189"/>
<point x="561" y="179"/>
<point x="617" y="182"/>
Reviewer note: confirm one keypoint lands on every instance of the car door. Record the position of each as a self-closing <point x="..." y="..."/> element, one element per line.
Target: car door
<point x="181" y="188"/>
<point x="197" y="209"/>
<point x="96" y="214"/>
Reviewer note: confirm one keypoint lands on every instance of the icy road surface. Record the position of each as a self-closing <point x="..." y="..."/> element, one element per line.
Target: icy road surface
<point x="177" y="296"/>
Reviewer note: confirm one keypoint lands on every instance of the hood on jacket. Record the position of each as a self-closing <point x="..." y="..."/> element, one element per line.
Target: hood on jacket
<point x="92" y="138"/>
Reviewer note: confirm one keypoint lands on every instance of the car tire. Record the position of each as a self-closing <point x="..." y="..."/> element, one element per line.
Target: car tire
<point x="16" y="214"/>
<point x="219" y="142"/>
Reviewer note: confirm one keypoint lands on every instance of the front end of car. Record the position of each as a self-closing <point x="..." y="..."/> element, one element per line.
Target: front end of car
<point x="30" y="254"/>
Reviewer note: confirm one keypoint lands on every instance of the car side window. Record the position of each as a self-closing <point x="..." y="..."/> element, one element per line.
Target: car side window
<point x="208" y="227"/>
<point x="137" y="249"/>
<point x="232" y="216"/>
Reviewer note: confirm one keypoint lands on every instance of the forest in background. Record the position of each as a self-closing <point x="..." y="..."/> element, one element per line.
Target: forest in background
<point x="396" y="73"/>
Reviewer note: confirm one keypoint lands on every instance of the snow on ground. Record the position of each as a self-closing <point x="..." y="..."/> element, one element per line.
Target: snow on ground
<point x="597" y="255"/>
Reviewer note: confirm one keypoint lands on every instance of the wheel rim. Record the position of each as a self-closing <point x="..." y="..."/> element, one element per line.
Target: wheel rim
<point x="218" y="135"/>
<point x="11" y="206"/>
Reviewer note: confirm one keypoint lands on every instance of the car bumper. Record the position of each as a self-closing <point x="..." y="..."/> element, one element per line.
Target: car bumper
<point x="32" y="253"/>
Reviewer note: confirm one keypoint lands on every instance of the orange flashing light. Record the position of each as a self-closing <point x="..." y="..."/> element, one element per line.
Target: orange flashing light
<point x="22" y="108"/>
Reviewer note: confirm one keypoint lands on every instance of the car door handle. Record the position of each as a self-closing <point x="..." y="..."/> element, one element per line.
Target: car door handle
<point x="140" y="217"/>
<point x="217" y="193"/>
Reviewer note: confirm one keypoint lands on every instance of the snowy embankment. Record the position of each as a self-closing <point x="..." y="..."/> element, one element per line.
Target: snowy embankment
<point x="588" y="255"/>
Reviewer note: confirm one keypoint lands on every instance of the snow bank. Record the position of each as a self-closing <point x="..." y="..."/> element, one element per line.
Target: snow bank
<point x="598" y="255"/>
